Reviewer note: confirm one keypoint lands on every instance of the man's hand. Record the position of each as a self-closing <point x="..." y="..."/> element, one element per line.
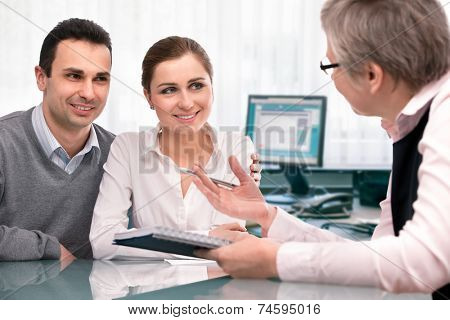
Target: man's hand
<point x="255" y="168"/>
<point x="65" y="258"/>
<point x="244" y="202"/>
<point x="249" y="258"/>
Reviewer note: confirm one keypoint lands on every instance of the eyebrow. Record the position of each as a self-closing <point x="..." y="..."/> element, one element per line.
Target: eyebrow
<point x="196" y="79"/>
<point x="74" y="70"/>
<point x="174" y="84"/>
<point x="103" y="74"/>
<point x="81" y="72"/>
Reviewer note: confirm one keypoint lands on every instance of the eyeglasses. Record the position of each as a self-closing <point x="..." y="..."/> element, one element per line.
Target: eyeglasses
<point x="325" y="64"/>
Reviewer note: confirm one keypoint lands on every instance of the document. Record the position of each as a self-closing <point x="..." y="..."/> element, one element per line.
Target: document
<point x="168" y="240"/>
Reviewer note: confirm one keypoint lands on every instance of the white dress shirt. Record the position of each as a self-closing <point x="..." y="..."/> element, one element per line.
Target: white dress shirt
<point x="138" y="175"/>
<point x="419" y="258"/>
<point x="53" y="149"/>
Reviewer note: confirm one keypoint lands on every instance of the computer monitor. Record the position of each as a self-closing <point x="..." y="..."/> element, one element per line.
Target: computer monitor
<point x="286" y="129"/>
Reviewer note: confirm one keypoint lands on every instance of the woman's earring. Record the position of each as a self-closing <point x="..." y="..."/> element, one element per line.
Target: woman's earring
<point x="152" y="107"/>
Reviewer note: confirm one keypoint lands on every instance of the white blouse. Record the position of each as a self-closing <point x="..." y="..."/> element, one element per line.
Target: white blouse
<point x="139" y="176"/>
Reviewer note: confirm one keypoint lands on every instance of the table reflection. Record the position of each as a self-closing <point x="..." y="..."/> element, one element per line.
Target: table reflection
<point x="115" y="279"/>
<point x="45" y="279"/>
<point x="86" y="279"/>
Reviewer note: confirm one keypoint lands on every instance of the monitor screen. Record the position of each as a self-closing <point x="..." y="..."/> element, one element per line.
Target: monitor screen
<point x="287" y="129"/>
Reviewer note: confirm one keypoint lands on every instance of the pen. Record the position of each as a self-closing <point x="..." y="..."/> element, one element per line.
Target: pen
<point x="216" y="181"/>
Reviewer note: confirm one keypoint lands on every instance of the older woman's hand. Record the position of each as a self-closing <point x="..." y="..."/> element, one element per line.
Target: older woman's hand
<point x="250" y="257"/>
<point x="255" y="168"/>
<point x="244" y="201"/>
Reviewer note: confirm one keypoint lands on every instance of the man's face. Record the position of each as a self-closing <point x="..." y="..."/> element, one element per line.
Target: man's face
<point x="76" y="92"/>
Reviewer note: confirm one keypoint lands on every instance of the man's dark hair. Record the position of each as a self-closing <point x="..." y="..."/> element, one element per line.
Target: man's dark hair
<point x="77" y="29"/>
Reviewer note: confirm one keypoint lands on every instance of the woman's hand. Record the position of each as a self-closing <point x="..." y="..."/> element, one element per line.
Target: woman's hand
<point x="230" y="231"/>
<point x="249" y="258"/>
<point x="255" y="168"/>
<point x="244" y="201"/>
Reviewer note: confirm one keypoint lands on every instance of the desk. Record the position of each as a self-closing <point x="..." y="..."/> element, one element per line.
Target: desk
<point x="358" y="214"/>
<point x="86" y="279"/>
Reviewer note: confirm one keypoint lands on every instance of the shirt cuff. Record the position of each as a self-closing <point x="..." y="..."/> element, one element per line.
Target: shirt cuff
<point x="298" y="262"/>
<point x="349" y="263"/>
<point x="278" y="226"/>
<point x="281" y="228"/>
<point x="200" y="232"/>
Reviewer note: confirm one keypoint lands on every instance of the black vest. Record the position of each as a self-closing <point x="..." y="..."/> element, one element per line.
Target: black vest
<point x="406" y="162"/>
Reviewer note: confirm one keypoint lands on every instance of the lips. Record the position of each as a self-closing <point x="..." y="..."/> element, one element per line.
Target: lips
<point x="82" y="110"/>
<point x="186" y="117"/>
<point x="82" y="107"/>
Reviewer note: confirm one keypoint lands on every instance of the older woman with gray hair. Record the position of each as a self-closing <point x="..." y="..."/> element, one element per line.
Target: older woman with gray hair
<point x="389" y="59"/>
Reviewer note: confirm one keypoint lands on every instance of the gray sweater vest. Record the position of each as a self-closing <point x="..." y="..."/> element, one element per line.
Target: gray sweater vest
<point x="42" y="206"/>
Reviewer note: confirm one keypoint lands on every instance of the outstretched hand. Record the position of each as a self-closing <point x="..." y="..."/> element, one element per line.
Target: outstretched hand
<point x="255" y="168"/>
<point x="244" y="201"/>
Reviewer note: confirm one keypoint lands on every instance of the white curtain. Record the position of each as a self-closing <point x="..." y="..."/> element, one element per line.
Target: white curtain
<point x="256" y="46"/>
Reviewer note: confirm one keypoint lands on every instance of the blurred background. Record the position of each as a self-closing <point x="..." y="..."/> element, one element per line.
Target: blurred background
<point x="256" y="47"/>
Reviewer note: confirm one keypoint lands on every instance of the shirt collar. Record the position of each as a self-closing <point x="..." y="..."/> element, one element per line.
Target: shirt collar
<point x="423" y="96"/>
<point x="91" y="142"/>
<point x="411" y="114"/>
<point x="48" y="140"/>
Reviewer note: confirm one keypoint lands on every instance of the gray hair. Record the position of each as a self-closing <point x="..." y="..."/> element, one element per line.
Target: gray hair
<point x="410" y="39"/>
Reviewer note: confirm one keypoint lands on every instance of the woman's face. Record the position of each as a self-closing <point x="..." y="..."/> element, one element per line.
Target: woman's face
<point x="344" y="84"/>
<point x="181" y="93"/>
<point x="356" y="90"/>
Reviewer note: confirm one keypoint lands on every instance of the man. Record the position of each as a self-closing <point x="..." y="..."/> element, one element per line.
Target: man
<point x="51" y="156"/>
<point x="390" y="59"/>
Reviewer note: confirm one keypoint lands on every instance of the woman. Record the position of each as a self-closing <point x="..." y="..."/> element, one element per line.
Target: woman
<point x="143" y="169"/>
<point x="389" y="65"/>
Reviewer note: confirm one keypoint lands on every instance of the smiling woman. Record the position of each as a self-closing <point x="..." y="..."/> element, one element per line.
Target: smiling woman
<point x="143" y="169"/>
